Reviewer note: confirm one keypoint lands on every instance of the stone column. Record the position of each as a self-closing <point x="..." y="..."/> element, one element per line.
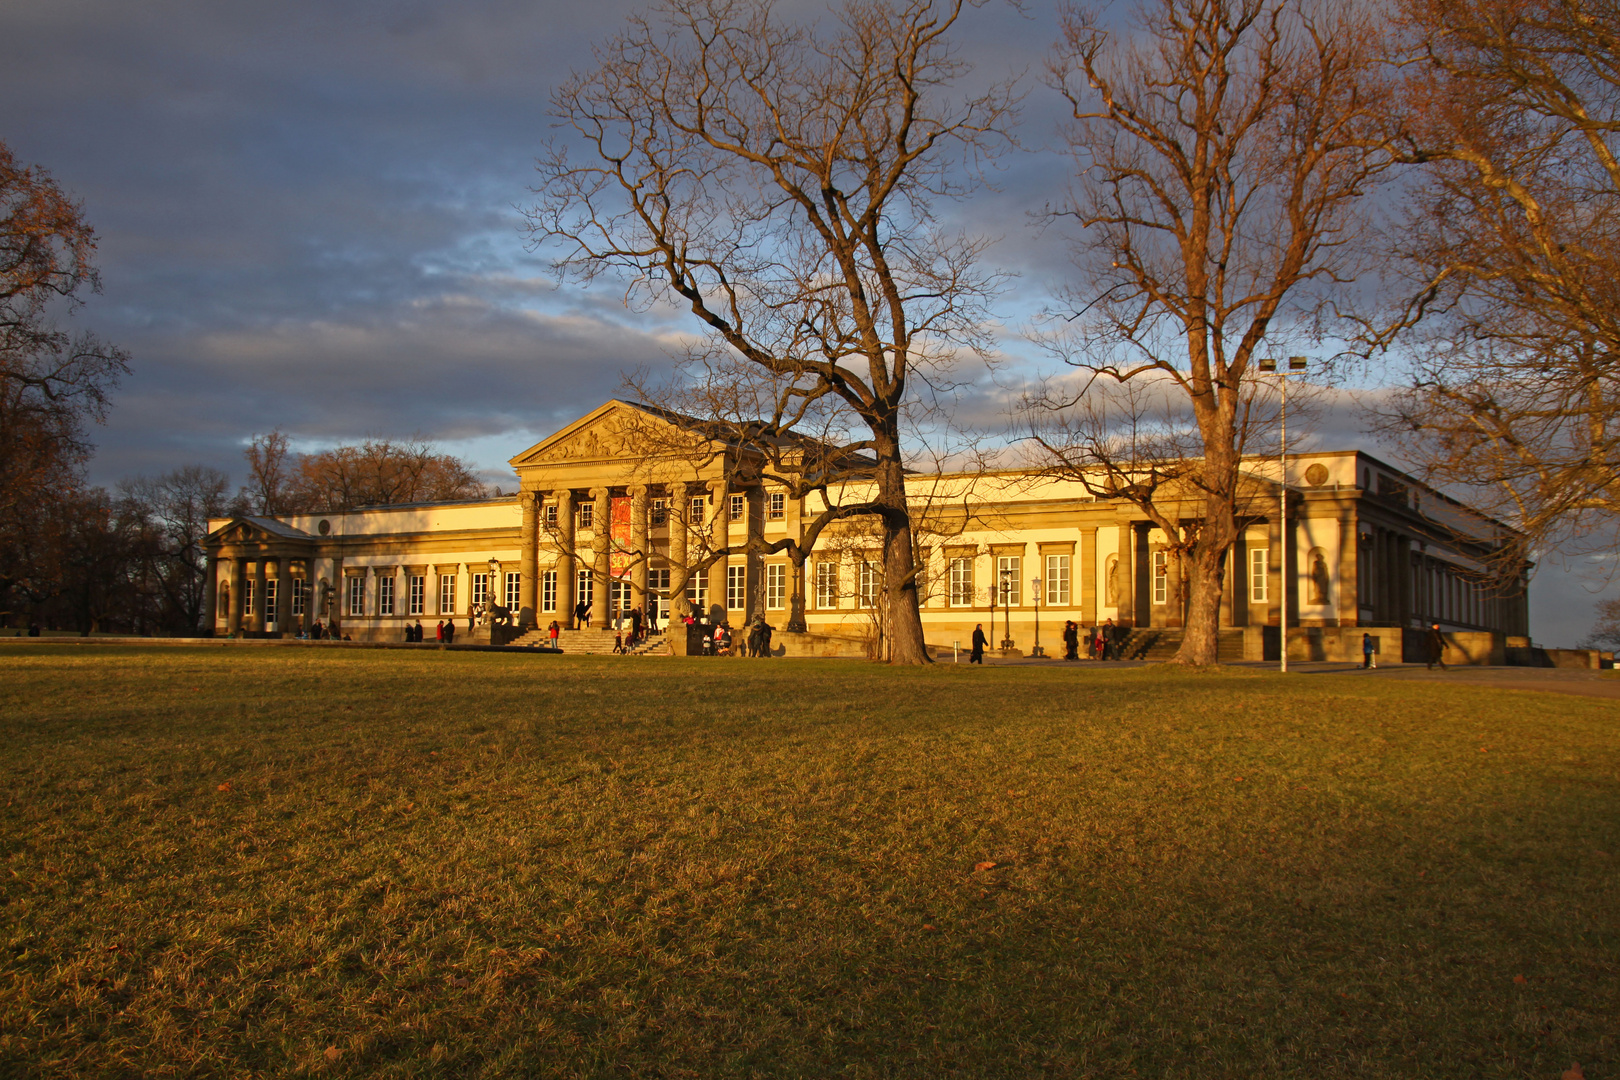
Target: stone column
<point x="601" y="545"/>
<point x="720" y="537"/>
<point x="1347" y="604"/>
<point x="260" y="617"/>
<point x="283" y="596"/>
<point x="680" y="505"/>
<point x="565" y="557"/>
<point x="1126" y="585"/>
<point x="233" y="619"/>
<point x="529" y="562"/>
<point x="642" y="553"/>
<point x="209" y="603"/>
<point x="308" y="585"/>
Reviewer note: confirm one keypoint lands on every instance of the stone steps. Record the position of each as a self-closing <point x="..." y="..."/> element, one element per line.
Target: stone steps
<point x="1161" y="645"/>
<point x="588" y="642"/>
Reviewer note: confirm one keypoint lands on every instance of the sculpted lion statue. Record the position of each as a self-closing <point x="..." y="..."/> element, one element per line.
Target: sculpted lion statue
<point x="493" y="614"/>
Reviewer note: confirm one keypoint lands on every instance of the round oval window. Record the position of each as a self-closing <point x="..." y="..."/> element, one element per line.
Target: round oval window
<point x="325" y="526"/>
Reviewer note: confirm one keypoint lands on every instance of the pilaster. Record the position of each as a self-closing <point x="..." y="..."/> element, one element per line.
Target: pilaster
<point x="529" y="561"/>
<point x="601" y="548"/>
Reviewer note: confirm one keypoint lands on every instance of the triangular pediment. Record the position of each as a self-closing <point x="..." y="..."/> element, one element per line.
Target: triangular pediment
<point x="253" y="530"/>
<point x="612" y="432"/>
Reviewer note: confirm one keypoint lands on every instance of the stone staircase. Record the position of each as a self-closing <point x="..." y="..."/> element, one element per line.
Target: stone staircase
<point x="1161" y="645"/>
<point x="587" y="642"/>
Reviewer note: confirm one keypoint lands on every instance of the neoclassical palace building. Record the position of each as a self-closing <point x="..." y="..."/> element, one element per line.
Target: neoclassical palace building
<point x="600" y="521"/>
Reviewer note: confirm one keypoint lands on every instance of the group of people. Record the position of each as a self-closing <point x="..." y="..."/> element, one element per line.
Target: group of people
<point x="719" y="642"/>
<point x="318" y="632"/>
<point x="1105" y="641"/>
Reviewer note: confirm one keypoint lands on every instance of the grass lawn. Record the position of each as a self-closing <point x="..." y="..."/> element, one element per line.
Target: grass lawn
<point x="267" y="862"/>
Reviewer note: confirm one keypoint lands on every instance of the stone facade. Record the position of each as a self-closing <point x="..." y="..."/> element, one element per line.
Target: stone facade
<point x="607" y="513"/>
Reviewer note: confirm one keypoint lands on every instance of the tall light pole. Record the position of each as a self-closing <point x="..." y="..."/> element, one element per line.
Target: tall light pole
<point x="1296" y="366"/>
<point x="1006" y="611"/>
<point x="1035" y="587"/>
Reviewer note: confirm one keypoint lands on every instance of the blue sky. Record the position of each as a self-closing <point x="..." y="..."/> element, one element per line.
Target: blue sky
<point x="310" y="218"/>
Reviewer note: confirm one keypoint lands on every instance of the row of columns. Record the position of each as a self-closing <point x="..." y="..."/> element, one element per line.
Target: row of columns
<point x="237" y="619"/>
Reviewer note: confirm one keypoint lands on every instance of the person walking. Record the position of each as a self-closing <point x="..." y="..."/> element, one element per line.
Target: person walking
<point x="582" y="611"/>
<point x="1437" y="646"/>
<point x="1369" y="652"/>
<point x="979" y="642"/>
<point x="635" y="625"/>
<point x="1110" y="650"/>
<point x="1071" y="640"/>
<point x="449" y="631"/>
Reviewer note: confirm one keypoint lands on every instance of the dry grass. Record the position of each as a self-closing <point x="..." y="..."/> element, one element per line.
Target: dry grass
<point x="255" y="862"/>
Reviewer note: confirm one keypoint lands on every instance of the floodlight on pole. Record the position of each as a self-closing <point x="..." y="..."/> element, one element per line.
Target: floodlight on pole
<point x="1296" y="366"/>
<point x="1035" y="588"/>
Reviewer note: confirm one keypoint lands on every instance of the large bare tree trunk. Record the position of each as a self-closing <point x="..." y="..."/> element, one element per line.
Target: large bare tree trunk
<point x="1200" y="642"/>
<point x="906" y="645"/>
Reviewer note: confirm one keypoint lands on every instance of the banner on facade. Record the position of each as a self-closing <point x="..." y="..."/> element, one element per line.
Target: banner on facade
<point x="620" y="558"/>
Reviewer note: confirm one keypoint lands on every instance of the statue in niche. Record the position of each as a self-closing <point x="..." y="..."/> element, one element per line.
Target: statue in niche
<point x="1114" y="582"/>
<point x="225" y="599"/>
<point x="1321" y="580"/>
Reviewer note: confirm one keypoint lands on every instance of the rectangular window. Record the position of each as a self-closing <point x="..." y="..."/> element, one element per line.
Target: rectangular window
<point x="1161" y="577"/>
<point x="551" y="516"/>
<point x="514" y="590"/>
<point x="270" y="609"/>
<point x="736" y="588"/>
<point x="1009" y="579"/>
<point x="660" y="511"/>
<point x="357" y="596"/>
<point x="418" y="594"/>
<point x="658" y="583"/>
<point x="737" y="508"/>
<point x="385" y="595"/>
<point x="695" y="517"/>
<point x="480" y="588"/>
<point x="300" y="589"/>
<point x="248" y="598"/>
<point x="777" y="506"/>
<point x="961" y="577"/>
<point x="447" y="594"/>
<point x="548" y="591"/>
<point x="1057" y="580"/>
<point x="697" y="592"/>
<point x="775" y="586"/>
<point x="584" y="587"/>
<point x="868" y="584"/>
<point x="826" y="584"/>
<point x="587" y="514"/>
<point x="1259" y="574"/>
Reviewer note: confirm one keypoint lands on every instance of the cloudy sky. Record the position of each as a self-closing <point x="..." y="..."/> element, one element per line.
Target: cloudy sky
<point x="310" y="217"/>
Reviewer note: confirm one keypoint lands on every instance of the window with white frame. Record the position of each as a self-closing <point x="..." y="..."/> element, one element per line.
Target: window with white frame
<point x="447" y="594"/>
<point x="660" y="511"/>
<point x="1259" y="575"/>
<point x="548" y="591"/>
<point x="357" y="595"/>
<point x="417" y="597"/>
<point x="584" y="587"/>
<point x="551" y="515"/>
<point x="697" y="592"/>
<point x="826" y="584"/>
<point x="868" y="584"/>
<point x="776" y="509"/>
<point x="658" y="583"/>
<point x="385" y="595"/>
<point x="1161" y="577"/>
<point x="248" y="598"/>
<point x="1057" y="580"/>
<point x="737" y="507"/>
<point x="736" y="588"/>
<point x="270" y="588"/>
<point x="587" y="514"/>
<point x="696" y="511"/>
<point x="480" y="588"/>
<point x="300" y="589"/>
<point x="775" y="586"/>
<point x="961" y="581"/>
<point x="1009" y="579"/>
<point x="514" y="589"/>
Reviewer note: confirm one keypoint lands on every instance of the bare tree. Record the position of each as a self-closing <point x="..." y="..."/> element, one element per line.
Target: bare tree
<point x="1606" y="631"/>
<point x="779" y="182"/>
<point x="378" y="472"/>
<point x="1223" y="150"/>
<point x="174" y="510"/>
<point x="269" y="474"/>
<point x="1514" y="249"/>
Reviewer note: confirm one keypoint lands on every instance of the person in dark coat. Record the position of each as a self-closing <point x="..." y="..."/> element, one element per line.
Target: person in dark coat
<point x="1436" y="642"/>
<point x="582" y="611"/>
<point x="979" y="642"/>
<point x="449" y="631"/>
<point x="1110" y="641"/>
<point x="635" y="625"/>
<point x="1071" y="641"/>
<point x="1369" y="648"/>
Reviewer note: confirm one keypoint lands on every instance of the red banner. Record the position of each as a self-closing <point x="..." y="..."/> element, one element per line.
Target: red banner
<point x="620" y="558"/>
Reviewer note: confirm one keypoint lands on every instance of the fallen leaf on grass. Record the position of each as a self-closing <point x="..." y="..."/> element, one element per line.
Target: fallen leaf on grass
<point x="986" y="865"/>
<point x="1520" y="979"/>
<point x="1574" y="1072"/>
<point x="458" y="982"/>
<point x="226" y="786"/>
<point x="333" y="1053"/>
<point x="929" y="926"/>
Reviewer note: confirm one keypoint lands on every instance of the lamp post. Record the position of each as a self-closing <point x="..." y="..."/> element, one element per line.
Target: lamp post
<point x="1296" y="366"/>
<point x="494" y="577"/>
<point x="1035" y="589"/>
<point x="1006" y="610"/>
